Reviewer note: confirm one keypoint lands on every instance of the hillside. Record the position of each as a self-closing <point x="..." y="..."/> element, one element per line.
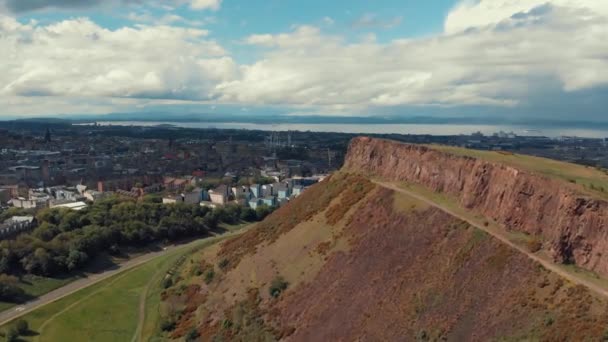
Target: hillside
<point x="352" y="260"/>
<point x="520" y="193"/>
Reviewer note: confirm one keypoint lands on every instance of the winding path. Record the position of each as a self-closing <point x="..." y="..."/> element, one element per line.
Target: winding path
<point x="142" y="306"/>
<point x="504" y="238"/>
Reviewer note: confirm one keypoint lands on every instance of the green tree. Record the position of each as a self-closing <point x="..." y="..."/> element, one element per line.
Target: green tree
<point x="262" y="211"/>
<point x="12" y="335"/>
<point x="9" y="291"/>
<point x="22" y="327"/>
<point x="75" y="259"/>
<point x="248" y="214"/>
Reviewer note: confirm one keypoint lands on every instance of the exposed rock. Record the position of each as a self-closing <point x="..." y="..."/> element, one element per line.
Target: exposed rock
<point x="573" y="224"/>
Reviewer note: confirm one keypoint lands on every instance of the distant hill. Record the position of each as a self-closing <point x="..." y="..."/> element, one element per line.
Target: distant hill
<point x="353" y="259"/>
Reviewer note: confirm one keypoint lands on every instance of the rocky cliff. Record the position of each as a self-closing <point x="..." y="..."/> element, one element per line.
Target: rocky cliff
<point x="573" y="226"/>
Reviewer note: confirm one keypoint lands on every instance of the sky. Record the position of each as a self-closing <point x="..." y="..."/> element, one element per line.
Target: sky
<point x="535" y="59"/>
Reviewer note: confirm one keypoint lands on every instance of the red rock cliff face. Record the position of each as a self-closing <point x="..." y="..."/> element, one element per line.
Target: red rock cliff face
<point x="573" y="226"/>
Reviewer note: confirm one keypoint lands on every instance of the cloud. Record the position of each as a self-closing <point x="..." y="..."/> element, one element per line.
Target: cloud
<point x="206" y="4"/>
<point x="167" y="19"/>
<point x="494" y="56"/>
<point x="371" y="21"/>
<point x="23" y="6"/>
<point x="20" y="6"/>
<point x="328" y="21"/>
<point x="481" y="13"/>
<point x="497" y="62"/>
<point x="78" y="59"/>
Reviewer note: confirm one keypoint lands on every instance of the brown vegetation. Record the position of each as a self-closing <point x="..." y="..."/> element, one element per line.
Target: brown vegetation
<point x="528" y="198"/>
<point x="314" y="200"/>
<point x="426" y="273"/>
<point x="406" y="275"/>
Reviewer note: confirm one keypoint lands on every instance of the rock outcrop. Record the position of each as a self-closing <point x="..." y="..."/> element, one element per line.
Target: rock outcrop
<point x="573" y="226"/>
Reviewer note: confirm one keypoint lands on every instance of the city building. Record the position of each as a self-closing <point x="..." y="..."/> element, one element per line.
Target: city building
<point x="297" y="190"/>
<point x="93" y="195"/>
<point x="79" y="205"/>
<point x="255" y="190"/>
<point x="15" y="225"/>
<point x="219" y="195"/>
<point x="270" y="201"/>
<point x="282" y="191"/>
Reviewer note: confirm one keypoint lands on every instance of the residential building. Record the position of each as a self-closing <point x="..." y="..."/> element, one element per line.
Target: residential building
<point x="270" y="201"/>
<point x="282" y="191"/>
<point x="5" y="196"/>
<point x="13" y="190"/>
<point x="79" y="205"/>
<point x="254" y="203"/>
<point x="255" y="190"/>
<point x="170" y="200"/>
<point x="93" y="195"/>
<point x="194" y="197"/>
<point x="297" y="190"/>
<point x="219" y="195"/>
<point x="15" y="225"/>
<point x="32" y="203"/>
<point x="241" y="192"/>
<point x="266" y="191"/>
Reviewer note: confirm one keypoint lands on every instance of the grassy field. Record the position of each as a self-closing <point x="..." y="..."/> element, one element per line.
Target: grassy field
<point x="590" y="179"/>
<point x="36" y="286"/>
<point x="110" y="310"/>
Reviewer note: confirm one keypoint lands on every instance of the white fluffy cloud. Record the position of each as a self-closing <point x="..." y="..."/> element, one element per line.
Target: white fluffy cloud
<point x="511" y="49"/>
<point x="22" y="6"/>
<point x="476" y="13"/>
<point x="206" y="4"/>
<point x="77" y="58"/>
<point x="495" y="53"/>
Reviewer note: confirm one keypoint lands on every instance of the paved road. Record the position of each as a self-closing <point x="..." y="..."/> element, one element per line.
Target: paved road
<point x="503" y="237"/>
<point x="72" y="287"/>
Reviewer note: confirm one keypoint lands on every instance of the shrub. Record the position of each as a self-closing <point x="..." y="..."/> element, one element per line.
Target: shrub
<point x="167" y="283"/>
<point x="192" y="335"/>
<point x="209" y="275"/>
<point x="12" y="335"/>
<point x="10" y="292"/>
<point x="535" y="245"/>
<point x="277" y="286"/>
<point x="227" y="324"/>
<point x="167" y="325"/>
<point x="223" y="263"/>
<point x="22" y="327"/>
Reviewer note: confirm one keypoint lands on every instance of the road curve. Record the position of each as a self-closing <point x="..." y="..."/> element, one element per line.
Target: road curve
<point x="20" y="310"/>
<point x="503" y="237"/>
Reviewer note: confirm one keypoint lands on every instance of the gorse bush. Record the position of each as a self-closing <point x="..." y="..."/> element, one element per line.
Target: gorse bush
<point x="277" y="287"/>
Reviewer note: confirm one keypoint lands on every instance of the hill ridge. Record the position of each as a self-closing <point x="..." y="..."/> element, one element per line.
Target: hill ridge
<point x="571" y="224"/>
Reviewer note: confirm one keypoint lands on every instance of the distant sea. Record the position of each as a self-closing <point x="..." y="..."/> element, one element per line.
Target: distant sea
<point x="431" y="129"/>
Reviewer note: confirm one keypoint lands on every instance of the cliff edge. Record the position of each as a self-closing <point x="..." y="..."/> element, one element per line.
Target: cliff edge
<point x="571" y="223"/>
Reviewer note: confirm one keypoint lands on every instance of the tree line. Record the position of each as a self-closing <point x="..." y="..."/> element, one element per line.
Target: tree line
<point x="65" y="241"/>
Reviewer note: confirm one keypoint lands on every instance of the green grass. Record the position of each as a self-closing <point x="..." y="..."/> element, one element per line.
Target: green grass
<point x="234" y="227"/>
<point x="589" y="179"/>
<point x="36" y="286"/>
<point x="108" y="310"/>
